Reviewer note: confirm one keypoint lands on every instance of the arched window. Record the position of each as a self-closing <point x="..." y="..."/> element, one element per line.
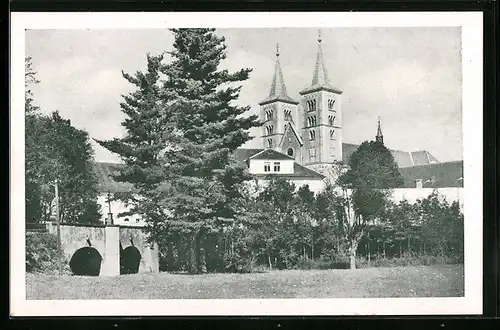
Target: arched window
<point x="288" y="115"/>
<point x="269" y="143"/>
<point x="331" y="120"/>
<point x="290" y="152"/>
<point x="332" y="134"/>
<point x="312" y="135"/>
<point x="311" y="121"/>
<point x="269" y="129"/>
<point x="269" y="115"/>
<point x="331" y="104"/>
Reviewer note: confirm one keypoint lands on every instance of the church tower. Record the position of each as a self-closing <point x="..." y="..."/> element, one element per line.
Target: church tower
<point x="277" y="110"/>
<point x="379" y="137"/>
<point x="322" y="118"/>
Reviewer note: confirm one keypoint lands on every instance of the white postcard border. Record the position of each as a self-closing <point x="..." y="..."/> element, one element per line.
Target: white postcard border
<point x="472" y="48"/>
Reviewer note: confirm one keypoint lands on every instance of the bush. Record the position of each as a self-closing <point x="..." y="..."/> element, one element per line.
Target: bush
<point x="305" y="264"/>
<point x="44" y="256"/>
<point x="408" y="259"/>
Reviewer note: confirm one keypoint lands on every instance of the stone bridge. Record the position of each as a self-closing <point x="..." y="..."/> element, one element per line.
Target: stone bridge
<point x="107" y="250"/>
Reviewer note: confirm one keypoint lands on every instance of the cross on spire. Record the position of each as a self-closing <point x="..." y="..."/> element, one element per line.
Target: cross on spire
<point x="277" y="49"/>
<point x="319" y="35"/>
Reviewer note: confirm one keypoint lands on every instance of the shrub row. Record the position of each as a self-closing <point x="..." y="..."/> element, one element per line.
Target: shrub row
<point x="43" y="254"/>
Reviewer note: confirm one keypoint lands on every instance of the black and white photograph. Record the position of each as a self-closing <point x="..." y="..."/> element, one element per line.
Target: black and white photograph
<point x="246" y="164"/>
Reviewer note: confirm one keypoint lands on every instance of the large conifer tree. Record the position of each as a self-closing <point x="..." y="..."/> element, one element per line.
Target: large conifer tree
<point x="178" y="154"/>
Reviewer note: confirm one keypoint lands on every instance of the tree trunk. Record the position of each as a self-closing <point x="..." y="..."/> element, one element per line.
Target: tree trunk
<point x="170" y="256"/>
<point x="192" y="267"/>
<point x="269" y="260"/>
<point x="312" y="247"/>
<point x="400" y="249"/>
<point x="409" y="245"/>
<point x="200" y="252"/>
<point x="369" y="250"/>
<point x="352" y="257"/>
<point x="383" y="247"/>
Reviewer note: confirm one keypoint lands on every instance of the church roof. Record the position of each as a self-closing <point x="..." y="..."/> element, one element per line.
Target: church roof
<point x="320" y="79"/>
<point x="437" y="175"/>
<point x="402" y="158"/>
<point x="278" y="88"/>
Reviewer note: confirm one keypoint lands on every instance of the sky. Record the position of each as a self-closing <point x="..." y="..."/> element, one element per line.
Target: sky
<point x="410" y="77"/>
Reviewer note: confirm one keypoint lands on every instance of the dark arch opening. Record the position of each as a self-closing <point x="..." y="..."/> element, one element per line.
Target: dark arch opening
<point x="289" y="152"/>
<point x="130" y="259"/>
<point x="86" y="261"/>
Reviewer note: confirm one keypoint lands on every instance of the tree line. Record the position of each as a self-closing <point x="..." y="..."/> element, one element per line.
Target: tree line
<point x="56" y="150"/>
<point x="182" y="124"/>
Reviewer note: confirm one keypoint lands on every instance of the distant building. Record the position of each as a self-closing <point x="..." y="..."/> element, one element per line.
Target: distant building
<point x="301" y="139"/>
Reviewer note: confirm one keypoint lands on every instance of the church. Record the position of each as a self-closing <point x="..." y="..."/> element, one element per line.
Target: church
<point x="308" y="129"/>
<point x="300" y="140"/>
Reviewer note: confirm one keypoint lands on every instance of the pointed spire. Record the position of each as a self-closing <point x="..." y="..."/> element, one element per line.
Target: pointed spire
<point x="320" y="79"/>
<point x="379" y="137"/>
<point x="320" y="76"/>
<point x="278" y="88"/>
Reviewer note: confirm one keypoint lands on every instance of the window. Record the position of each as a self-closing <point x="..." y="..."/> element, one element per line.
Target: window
<point x="289" y="140"/>
<point x="332" y="151"/>
<point x="276" y="166"/>
<point x="312" y="154"/>
<point x="269" y="115"/>
<point x="127" y="219"/>
<point x="311" y="121"/>
<point x="269" y="129"/>
<point x="267" y="167"/>
<point x="331" y="119"/>
<point x="312" y="135"/>
<point x="418" y="183"/>
<point x="269" y="143"/>
<point x="288" y="115"/>
<point x="289" y="152"/>
<point x="311" y="105"/>
<point x="330" y="104"/>
<point x="332" y="134"/>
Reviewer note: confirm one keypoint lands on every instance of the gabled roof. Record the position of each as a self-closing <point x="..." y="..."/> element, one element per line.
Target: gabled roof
<point x="437" y="175"/>
<point x="402" y="158"/>
<point x="105" y="181"/>
<point x="288" y="127"/>
<point x="271" y="154"/>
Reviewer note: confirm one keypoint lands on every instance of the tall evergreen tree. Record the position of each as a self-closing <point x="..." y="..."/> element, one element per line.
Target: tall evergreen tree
<point x="202" y="193"/>
<point x="181" y="135"/>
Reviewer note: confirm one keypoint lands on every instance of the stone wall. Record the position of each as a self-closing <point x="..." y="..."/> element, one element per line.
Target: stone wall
<point x="106" y="240"/>
<point x="74" y="237"/>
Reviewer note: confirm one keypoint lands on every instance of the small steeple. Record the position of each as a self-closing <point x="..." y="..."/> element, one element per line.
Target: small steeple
<point x="379" y="137"/>
<point x="320" y="76"/>
<point x="278" y="87"/>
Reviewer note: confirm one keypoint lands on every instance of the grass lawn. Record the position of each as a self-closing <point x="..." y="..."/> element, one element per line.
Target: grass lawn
<point x="424" y="281"/>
